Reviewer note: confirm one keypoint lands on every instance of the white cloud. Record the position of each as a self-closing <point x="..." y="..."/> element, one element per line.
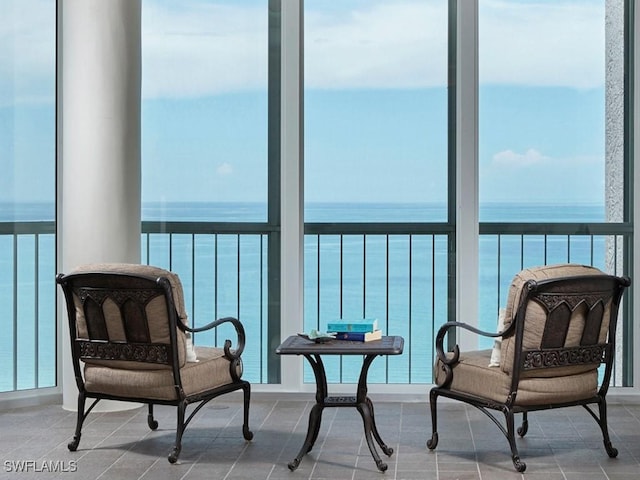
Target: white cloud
<point x="193" y="48"/>
<point x="383" y="45"/>
<point x="542" y="43"/>
<point x="27" y="51"/>
<point x="533" y="176"/>
<point x="224" y="169"/>
<point x="509" y="158"/>
<point x="202" y="49"/>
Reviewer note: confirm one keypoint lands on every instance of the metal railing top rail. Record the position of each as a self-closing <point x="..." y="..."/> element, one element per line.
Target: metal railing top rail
<point x="154" y="226"/>
<point x="347" y="228"/>
<point x="550" y="228"/>
<point x="486" y="228"/>
<point x="24" y="228"/>
<point x="391" y="228"/>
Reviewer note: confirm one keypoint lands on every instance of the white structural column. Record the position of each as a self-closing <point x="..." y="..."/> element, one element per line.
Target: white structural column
<point x="292" y="186"/>
<point x="467" y="233"/>
<point x="99" y="158"/>
<point x="467" y="228"/>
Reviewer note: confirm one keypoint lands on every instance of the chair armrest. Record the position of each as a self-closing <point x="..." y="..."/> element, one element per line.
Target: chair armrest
<point x="228" y="353"/>
<point x="448" y="362"/>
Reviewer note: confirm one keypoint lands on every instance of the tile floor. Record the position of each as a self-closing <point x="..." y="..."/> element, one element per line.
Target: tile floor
<point x="561" y="444"/>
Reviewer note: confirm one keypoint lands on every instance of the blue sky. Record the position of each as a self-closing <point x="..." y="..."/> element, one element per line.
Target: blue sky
<point x="375" y="101"/>
<point x="27" y="89"/>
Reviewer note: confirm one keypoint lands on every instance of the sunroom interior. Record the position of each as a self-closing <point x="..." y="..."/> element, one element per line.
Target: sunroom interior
<point x="297" y="162"/>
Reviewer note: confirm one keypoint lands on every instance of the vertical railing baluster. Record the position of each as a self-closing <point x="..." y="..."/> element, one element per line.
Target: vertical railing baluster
<point x="171" y="251"/>
<point x="193" y="280"/>
<point x="364" y="275"/>
<point x="261" y="313"/>
<point x="387" y="303"/>
<point x="318" y="292"/>
<point x="521" y="252"/>
<point x="15" y="312"/>
<point x="410" y="301"/>
<point x="499" y="261"/>
<point x="36" y="318"/>
<point x="433" y="295"/>
<point x="615" y="254"/>
<point x="238" y="275"/>
<point x="341" y="274"/>
<point x="215" y="285"/>
<point x="545" y="249"/>
<point x="340" y="289"/>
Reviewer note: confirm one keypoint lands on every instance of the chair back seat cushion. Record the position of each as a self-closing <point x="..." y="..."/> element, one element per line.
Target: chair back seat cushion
<point x="156" y="313"/>
<point x="536" y="317"/>
<point x="472" y="375"/>
<point x="212" y="370"/>
<point x="147" y="271"/>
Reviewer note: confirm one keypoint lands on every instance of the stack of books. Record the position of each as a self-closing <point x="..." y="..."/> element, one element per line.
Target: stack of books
<point x="358" y="330"/>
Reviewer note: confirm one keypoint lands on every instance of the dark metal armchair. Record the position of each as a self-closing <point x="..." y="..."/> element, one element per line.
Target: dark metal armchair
<point x="130" y="342"/>
<point x="560" y="326"/>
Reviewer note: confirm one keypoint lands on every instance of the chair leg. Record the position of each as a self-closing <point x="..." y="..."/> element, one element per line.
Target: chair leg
<point x="519" y="465"/>
<point x="246" y="433"/>
<point x="611" y="450"/>
<point x="524" y="427"/>
<point x="73" y="445"/>
<point x="432" y="443"/>
<point x="180" y="426"/>
<point x="153" y="423"/>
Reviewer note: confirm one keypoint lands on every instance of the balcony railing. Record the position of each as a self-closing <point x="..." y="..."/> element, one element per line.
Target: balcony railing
<point x="223" y="268"/>
<point x="509" y="247"/>
<point x="27" y="295"/>
<point x="398" y="273"/>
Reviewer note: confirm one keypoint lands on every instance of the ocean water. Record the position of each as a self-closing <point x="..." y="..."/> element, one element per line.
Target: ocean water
<point x="400" y="280"/>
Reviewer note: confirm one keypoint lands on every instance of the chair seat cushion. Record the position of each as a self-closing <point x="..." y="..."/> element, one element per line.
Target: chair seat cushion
<point x="473" y="376"/>
<point x="212" y="370"/>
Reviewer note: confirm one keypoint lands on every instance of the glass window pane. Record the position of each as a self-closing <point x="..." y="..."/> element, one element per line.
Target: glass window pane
<point x="551" y="141"/>
<point x="27" y="193"/>
<point x="204" y="110"/>
<point x="375" y="104"/>
<point x="543" y="106"/>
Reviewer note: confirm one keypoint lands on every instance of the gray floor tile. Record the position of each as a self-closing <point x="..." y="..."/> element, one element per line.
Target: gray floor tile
<point x="560" y="445"/>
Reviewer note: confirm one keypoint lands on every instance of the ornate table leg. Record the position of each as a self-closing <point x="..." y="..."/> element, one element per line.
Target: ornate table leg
<point x="367" y="419"/>
<point x="362" y="402"/>
<point x="388" y="451"/>
<point x="315" y="416"/>
<point x="365" y="407"/>
<point x="312" y="433"/>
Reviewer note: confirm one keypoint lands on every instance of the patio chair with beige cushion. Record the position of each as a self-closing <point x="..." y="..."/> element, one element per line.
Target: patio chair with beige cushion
<point x="130" y="341"/>
<point x="559" y="328"/>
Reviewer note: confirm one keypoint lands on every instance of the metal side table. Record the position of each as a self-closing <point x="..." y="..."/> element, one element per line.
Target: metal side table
<point x="297" y="345"/>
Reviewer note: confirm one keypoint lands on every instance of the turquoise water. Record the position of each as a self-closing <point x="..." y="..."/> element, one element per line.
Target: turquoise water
<point x="400" y="280"/>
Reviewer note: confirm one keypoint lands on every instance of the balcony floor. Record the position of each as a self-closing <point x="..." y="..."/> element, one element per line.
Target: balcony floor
<point x="561" y="444"/>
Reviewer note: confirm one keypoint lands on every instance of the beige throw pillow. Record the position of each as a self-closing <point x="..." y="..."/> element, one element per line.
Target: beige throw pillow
<point x="497" y="343"/>
<point x="190" y="348"/>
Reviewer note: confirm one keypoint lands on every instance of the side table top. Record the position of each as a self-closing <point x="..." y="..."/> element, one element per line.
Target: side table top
<point x="297" y="345"/>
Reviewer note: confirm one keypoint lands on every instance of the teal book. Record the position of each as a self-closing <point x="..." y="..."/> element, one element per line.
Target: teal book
<point x="353" y="325"/>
